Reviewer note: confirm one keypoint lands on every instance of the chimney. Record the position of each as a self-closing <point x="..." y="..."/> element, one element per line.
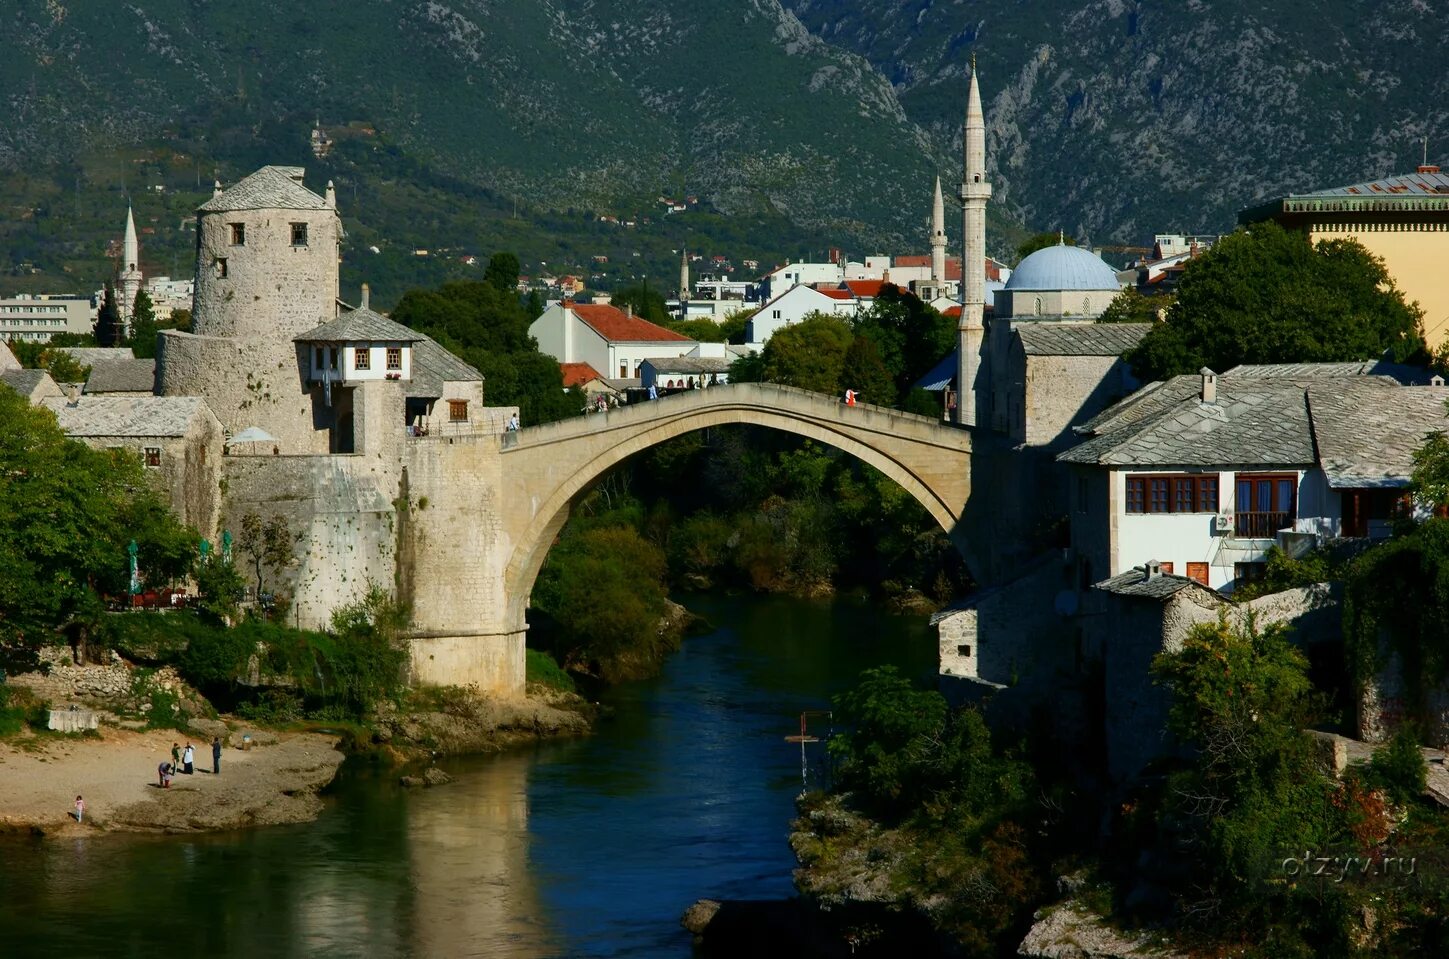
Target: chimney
<point x="1428" y="168"/>
<point x="366" y="295"/>
<point x="1209" y="385"/>
<point x="1153" y="569"/>
<point x="1436" y="380"/>
<point x="331" y="196"/>
<point x="215" y="188"/>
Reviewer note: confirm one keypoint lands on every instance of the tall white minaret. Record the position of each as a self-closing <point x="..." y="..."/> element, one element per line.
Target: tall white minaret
<point x="938" y="238"/>
<point x="684" y="284"/>
<point x="128" y="282"/>
<point x="975" y="191"/>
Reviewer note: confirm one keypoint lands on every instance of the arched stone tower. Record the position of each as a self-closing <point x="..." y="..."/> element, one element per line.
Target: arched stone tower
<point x="266" y="270"/>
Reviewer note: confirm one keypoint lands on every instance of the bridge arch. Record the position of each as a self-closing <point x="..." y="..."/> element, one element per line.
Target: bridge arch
<point x="550" y="467"/>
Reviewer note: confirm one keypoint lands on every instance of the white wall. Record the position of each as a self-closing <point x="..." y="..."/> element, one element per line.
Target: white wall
<point x="792" y="307"/>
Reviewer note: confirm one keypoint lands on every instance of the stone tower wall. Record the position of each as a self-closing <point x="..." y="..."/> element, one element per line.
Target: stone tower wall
<point x="246" y="382"/>
<point x="272" y="289"/>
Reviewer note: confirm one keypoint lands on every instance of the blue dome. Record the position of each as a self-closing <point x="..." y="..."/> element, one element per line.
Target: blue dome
<point x="1062" y="268"/>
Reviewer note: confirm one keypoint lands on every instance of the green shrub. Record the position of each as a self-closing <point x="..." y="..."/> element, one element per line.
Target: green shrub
<point x="544" y="669"/>
<point x="1399" y="769"/>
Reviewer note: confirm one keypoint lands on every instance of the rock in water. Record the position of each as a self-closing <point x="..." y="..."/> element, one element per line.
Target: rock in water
<point x="436" y="777"/>
<point x="697" y="917"/>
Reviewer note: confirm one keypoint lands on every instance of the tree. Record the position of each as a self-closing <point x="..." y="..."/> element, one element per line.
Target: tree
<point x="702" y="329"/>
<point x="180" y="320"/>
<point x="488" y="328"/>
<point x="1040" y="241"/>
<point x="910" y="336"/>
<point x="108" y="328"/>
<point x="502" y="272"/>
<point x="863" y="371"/>
<point x="268" y="544"/>
<point x="808" y="354"/>
<point x="1133" y="306"/>
<point x="143" y="326"/>
<point x="534" y="306"/>
<point x="1266" y="295"/>
<point x="645" y="302"/>
<point x="67" y="513"/>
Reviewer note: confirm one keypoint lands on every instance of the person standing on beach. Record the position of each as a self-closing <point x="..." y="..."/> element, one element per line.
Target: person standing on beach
<point x="187" y="758"/>
<point x="216" y="755"/>
<point x="175" y="756"/>
<point x="80" y="809"/>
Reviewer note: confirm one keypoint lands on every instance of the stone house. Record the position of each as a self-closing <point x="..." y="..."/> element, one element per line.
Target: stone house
<point x="177" y="439"/>
<point x="685" y="372"/>
<point x="1205" y="473"/>
<point x="1059" y="375"/>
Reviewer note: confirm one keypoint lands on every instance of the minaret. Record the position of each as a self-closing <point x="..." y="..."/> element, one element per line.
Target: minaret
<point x="128" y="282"/>
<point x="683" y="284"/>
<point x="975" y="191"/>
<point x="938" y="238"/>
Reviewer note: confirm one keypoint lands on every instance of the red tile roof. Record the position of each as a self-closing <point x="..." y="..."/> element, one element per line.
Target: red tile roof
<point x="952" y="311"/>
<point x="577" y="374"/>
<point x="838" y="294"/>
<point x="866" y="288"/>
<point x="615" y="325"/>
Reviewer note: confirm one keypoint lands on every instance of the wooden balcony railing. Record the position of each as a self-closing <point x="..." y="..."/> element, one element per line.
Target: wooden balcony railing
<point x="1255" y="525"/>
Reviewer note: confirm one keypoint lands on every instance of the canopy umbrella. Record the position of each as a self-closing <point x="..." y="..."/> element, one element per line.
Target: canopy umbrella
<point x="252" y="434"/>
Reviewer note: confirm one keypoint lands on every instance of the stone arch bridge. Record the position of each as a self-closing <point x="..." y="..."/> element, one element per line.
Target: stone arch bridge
<point x="482" y="512"/>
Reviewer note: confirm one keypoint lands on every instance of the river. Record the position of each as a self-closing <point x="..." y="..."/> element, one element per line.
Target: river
<point x="592" y="847"/>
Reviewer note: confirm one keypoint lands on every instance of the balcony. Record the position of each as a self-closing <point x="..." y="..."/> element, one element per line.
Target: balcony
<point x="1261" y="525"/>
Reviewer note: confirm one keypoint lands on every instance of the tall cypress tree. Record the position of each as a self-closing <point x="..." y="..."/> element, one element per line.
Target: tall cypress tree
<point x="143" y="326"/>
<point x="109" y="331"/>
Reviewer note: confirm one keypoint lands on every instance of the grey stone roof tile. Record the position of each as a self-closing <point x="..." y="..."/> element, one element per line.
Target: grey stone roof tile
<point x="433" y="366"/>
<point x="122" y="376"/>
<point x="92" y="355"/>
<point x="1135" y="582"/>
<point x="23" y="381"/>
<point x="1080" y="339"/>
<point x="1367" y="436"/>
<point x="270" y="188"/>
<point x="360" y="325"/>
<point x="125" y="415"/>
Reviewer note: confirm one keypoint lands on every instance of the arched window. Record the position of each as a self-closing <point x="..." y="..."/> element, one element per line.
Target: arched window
<point x="1086" y="304"/>
<point x="1038" y="306"/>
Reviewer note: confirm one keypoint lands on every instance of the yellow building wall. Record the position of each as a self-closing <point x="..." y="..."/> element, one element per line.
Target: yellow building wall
<point x="1418" y="261"/>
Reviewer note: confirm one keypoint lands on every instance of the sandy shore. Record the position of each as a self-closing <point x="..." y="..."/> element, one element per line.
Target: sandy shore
<point x="277" y="783"/>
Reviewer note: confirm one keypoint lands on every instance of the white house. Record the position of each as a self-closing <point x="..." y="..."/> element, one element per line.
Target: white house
<point x="794" y="305"/>
<point x="611" y="341"/>
<point x="1204" y="473"/>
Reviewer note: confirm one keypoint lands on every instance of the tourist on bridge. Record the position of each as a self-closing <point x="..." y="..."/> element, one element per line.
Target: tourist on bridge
<point x="513" y="423"/>
<point x="850" y="396"/>
<point x="653" y="392"/>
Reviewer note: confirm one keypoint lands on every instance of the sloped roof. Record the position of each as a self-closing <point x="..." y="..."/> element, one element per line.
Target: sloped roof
<point x="615" y="325"/>
<point x="91" y="355"/>
<point x="270" y="188"/>
<point x="359" y="325"/>
<point x="940" y="376"/>
<point x="433" y="366"/>
<point x="1080" y="339"/>
<point x="1136" y="582"/>
<point x="125" y="415"/>
<point x="1402" y="372"/>
<point x="122" y="376"/>
<point x="25" y="382"/>
<point x="577" y="374"/>
<point x="7" y="358"/>
<point x="838" y="294"/>
<point x="1251" y="423"/>
<point x="690" y="364"/>
<point x="1417" y="184"/>
<point x="865" y="288"/>
<point x="1367" y="435"/>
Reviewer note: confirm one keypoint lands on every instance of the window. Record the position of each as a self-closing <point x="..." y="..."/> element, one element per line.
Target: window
<point x="1249" y="572"/>
<point x="1198" y="571"/>
<point x="624" y="370"/>
<point x="299" y="234"/>
<point x="319" y="358"/>
<point x="1265" y="504"/>
<point x="332" y="357"/>
<point x="964" y="649"/>
<point x="394" y="357"/>
<point x="238" y="234"/>
<point x="457" y="411"/>
<point x="362" y="358"/>
<point x="776" y="314"/>
<point x="1177" y="493"/>
<point x="1166" y="567"/>
<point x="221" y="268"/>
<point x="153" y="456"/>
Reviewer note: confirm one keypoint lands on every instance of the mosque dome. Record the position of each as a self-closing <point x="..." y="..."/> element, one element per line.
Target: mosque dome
<point x="1062" y="267"/>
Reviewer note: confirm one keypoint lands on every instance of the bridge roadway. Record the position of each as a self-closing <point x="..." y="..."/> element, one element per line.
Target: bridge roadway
<point x="495" y="506"/>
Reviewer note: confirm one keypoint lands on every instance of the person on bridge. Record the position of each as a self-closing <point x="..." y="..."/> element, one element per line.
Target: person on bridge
<point x="850" y="397"/>
<point x="513" y="423"/>
<point x="653" y="392"/>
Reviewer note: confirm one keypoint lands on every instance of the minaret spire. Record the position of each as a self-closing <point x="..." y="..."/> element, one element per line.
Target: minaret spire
<point x="683" y="284"/>
<point x="938" y="238"/>
<point x="975" y="191"/>
<point x="128" y="281"/>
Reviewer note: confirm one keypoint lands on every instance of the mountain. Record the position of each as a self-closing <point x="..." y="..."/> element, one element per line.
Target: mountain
<point x="1115" y="119"/>
<point x="465" y="126"/>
